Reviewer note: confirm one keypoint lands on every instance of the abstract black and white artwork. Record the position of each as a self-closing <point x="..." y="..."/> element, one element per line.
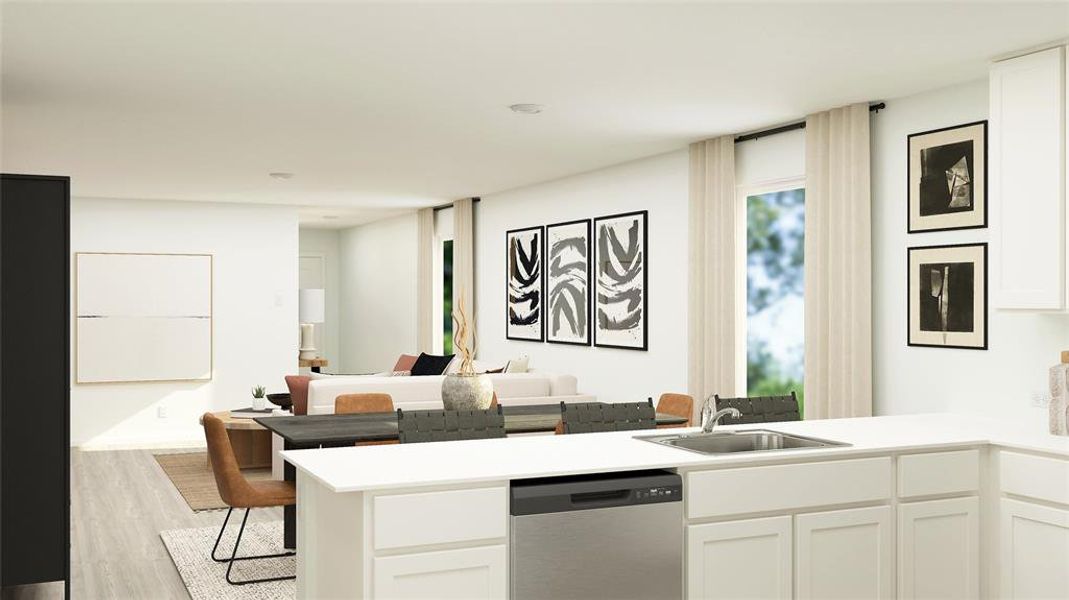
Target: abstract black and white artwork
<point x="620" y="300"/>
<point x="947" y="175"/>
<point x="524" y="277"/>
<point x="568" y="282"/>
<point x="948" y="296"/>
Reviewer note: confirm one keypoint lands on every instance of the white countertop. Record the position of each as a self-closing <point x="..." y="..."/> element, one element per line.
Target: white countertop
<point x="446" y="463"/>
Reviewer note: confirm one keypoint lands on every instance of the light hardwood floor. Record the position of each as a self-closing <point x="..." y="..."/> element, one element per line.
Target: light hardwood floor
<point x="120" y="501"/>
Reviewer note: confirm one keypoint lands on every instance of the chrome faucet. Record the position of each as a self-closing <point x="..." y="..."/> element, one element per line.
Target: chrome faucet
<point x="710" y="421"/>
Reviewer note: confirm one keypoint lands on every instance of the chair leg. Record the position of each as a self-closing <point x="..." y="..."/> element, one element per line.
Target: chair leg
<point x="220" y="536"/>
<point x="234" y="554"/>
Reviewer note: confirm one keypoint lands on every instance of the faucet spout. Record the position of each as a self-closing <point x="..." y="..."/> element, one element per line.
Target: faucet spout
<point x="710" y="421"/>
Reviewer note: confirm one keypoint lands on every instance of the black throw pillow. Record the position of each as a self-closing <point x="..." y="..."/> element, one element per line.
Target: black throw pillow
<point x="430" y="364"/>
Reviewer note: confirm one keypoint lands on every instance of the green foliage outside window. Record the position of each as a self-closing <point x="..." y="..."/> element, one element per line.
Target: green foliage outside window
<point x="447" y="297"/>
<point x="775" y="287"/>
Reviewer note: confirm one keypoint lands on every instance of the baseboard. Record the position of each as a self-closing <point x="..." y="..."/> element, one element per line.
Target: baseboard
<point x="141" y="445"/>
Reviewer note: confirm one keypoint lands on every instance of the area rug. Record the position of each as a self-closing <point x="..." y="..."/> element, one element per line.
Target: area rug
<point x="206" y="579"/>
<point x="191" y="475"/>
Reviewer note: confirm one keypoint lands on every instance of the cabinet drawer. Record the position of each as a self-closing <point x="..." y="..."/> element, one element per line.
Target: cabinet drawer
<point x="786" y="487"/>
<point x="403" y="520"/>
<point x="1034" y="476"/>
<point x="472" y="573"/>
<point x="938" y="473"/>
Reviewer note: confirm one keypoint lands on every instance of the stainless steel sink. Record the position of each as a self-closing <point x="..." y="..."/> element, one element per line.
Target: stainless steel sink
<point x="732" y="442"/>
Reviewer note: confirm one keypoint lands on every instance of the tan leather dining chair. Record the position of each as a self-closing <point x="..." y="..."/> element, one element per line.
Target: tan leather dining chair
<point x="348" y="404"/>
<point x="679" y="405"/>
<point x="238" y="492"/>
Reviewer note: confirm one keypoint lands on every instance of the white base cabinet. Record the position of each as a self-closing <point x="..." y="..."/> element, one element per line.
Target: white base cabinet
<point x="1035" y="551"/>
<point x="844" y="554"/>
<point x="468" y="574"/>
<point x="939" y="549"/>
<point x="738" y="560"/>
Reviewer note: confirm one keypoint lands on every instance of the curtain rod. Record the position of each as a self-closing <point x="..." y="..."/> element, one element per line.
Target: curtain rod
<point x="474" y="199"/>
<point x="791" y="127"/>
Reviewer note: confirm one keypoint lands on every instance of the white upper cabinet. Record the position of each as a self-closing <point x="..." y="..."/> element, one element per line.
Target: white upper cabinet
<point x="1027" y="177"/>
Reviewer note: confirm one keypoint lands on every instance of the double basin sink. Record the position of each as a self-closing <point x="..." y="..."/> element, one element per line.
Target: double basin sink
<point x="732" y="442"/>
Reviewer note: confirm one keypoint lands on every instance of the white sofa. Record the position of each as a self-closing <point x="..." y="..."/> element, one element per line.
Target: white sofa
<point x="425" y="392"/>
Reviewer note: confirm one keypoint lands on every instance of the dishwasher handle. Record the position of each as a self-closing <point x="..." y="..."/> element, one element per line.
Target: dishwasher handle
<point x="601" y="499"/>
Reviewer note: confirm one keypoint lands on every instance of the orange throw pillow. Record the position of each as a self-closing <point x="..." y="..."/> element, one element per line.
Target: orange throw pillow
<point x="404" y="363"/>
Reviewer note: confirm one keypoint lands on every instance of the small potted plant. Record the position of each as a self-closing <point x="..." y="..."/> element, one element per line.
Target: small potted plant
<point x="259" y="398"/>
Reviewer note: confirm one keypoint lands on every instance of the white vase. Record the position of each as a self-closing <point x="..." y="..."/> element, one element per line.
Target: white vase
<point x="259" y="403"/>
<point x="472" y="391"/>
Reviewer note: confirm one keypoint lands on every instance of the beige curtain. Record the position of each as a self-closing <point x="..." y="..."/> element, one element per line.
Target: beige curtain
<point x="712" y="344"/>
<point x="464" y="258"/>
<point x="838" y="265"/>
<point x="425" y="280"/>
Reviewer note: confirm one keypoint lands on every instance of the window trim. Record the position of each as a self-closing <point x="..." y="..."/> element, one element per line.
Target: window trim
<point x="742" y="192"/>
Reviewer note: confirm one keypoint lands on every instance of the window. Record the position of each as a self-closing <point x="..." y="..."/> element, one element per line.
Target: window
<point x="442" y="283"/>
<point x="447" y="297"/>
<point x="775" y="290"/>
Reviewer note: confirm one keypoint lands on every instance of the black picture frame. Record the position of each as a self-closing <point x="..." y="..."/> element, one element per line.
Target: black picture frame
<point x="913" y="295"/>
<point x="589" y="301"/>
<point x="913" y="195"/>
<point x="541" y="233"/>
<point x="643" y="217"/>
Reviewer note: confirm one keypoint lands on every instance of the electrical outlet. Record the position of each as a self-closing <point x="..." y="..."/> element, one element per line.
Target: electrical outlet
<point x="161" y="412"/>
<point x="1040" y="399"/>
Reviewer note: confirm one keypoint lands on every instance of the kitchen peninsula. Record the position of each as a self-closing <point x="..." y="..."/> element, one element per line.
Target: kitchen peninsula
<point x="919" y="505"/>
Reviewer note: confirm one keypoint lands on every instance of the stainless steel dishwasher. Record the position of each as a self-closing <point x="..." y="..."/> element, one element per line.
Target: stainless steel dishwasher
<point x="614" y="536"/>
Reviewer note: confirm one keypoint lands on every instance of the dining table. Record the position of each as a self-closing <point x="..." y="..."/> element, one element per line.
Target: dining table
<point x="333" y="430"/>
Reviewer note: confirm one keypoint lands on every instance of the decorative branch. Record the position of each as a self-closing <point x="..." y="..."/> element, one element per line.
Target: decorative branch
<point x="461" y="342"/>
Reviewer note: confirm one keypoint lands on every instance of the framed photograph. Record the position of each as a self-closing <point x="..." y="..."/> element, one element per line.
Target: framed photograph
<point x="567" y="268"/>
<point x="948" y="296"/>
<point x="621" y="302"/>
<point x="524" y="293"/>
<point x="947" y="176"/>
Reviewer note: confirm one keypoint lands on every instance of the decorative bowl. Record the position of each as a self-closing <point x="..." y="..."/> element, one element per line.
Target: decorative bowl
<point x="282" y="400"/>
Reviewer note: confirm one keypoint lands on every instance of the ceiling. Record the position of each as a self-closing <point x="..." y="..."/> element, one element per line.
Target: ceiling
<point x="383" y="107"/>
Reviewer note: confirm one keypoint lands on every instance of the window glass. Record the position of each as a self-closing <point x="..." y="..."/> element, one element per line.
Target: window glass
<point x="775" y="303"/>
<point x="447" y="297"/>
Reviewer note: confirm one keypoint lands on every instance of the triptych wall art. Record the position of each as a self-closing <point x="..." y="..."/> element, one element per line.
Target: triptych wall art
<point x="947" y="181"/>
<point x="579" y="282"/>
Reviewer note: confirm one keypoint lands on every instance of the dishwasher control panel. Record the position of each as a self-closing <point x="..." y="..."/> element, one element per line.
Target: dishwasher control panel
<point x="598" y="490"/>
<point x="660" y="493"/>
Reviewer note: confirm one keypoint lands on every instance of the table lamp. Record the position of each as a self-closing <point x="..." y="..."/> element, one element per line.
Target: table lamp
<point x="309" y="312"/>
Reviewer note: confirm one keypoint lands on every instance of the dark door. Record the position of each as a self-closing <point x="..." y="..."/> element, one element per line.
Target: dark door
<point x="34" y="379"/>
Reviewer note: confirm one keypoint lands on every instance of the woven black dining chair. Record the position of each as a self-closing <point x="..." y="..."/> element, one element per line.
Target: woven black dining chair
<point x="590" y="417"/>
<point x="760" y="409"/>
<point x="416" y="426"/>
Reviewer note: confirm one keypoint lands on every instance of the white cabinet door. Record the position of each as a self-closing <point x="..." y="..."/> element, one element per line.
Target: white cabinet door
<point x="844" y="554"/>
<point x="740" y="559"/>
<point x="939" y="549"/>
<point x="1027" y="175"/>
<point x="469" y="574"/>
<point x="1035" y="551"/>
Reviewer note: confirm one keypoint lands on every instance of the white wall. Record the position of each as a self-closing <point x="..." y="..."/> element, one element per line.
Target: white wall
<point x="377" y="296"/>
<point x="770" y="159"/>
<point x="254" y="314"/>
<point x="324" y="243"/>
<point x="658" y="184"/>
<point x="996" y="382"/>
